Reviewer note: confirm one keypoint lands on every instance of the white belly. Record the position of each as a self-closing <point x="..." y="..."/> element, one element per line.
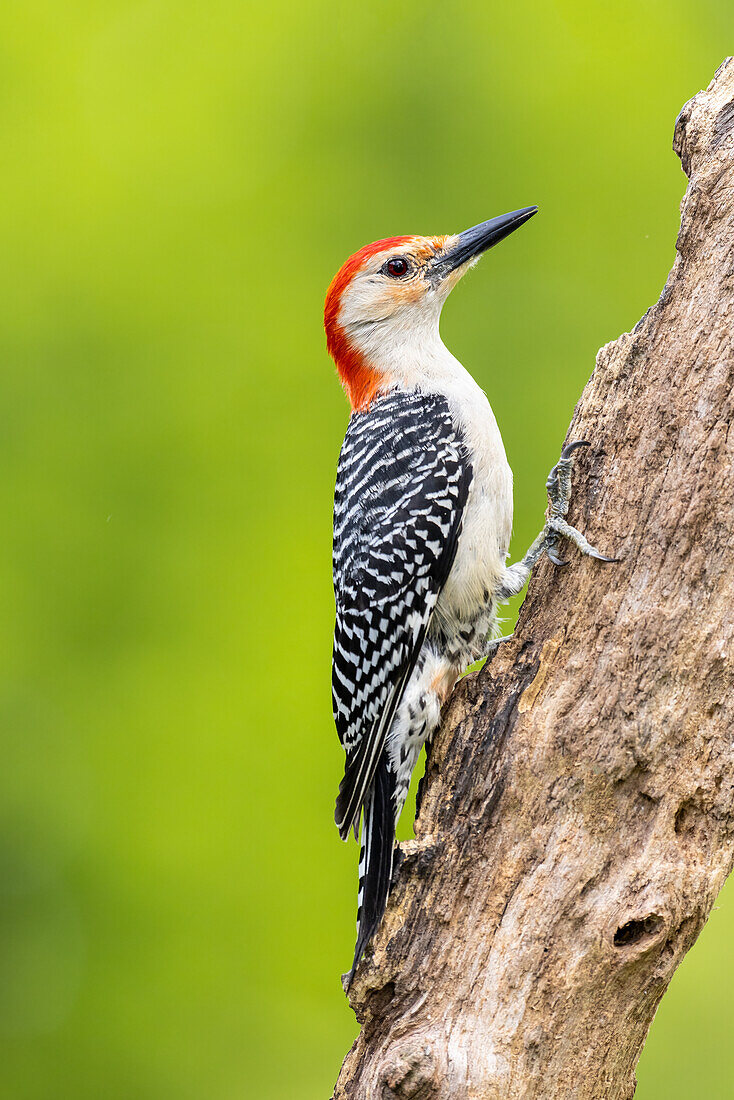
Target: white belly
<point x="485" y="538"/>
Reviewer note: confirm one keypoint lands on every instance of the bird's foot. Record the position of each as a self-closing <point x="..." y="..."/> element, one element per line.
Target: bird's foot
<point x="493" y="646"/>
<point x="559" y="497"/>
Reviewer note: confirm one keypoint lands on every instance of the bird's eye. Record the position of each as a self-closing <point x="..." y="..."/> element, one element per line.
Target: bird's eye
<point x="396" y="267"/>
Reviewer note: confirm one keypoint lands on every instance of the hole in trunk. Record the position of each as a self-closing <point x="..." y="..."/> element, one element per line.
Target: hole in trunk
<point x="635" y="930"/>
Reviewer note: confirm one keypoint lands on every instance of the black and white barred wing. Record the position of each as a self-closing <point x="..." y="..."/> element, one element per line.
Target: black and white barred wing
<point x="401" y="489"/>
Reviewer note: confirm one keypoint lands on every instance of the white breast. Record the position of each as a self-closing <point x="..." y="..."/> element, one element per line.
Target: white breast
<point x="485" y="537"/>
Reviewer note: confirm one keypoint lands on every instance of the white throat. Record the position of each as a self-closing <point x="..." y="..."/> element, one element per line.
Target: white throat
<point x="407" y="348"/>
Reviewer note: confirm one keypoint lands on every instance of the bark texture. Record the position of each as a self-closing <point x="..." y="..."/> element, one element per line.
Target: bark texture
<point x="577" y="817"/>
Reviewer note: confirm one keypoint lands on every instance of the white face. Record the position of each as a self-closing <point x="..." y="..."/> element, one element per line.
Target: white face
<point x="383" y="306"/>
<point x="393" y="303"/>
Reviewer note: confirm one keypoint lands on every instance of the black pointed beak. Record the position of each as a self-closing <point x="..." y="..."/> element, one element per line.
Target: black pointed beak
<point x="472" y="242"/>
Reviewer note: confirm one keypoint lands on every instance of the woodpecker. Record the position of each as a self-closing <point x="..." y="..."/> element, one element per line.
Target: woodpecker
<point x="422" y="523"/>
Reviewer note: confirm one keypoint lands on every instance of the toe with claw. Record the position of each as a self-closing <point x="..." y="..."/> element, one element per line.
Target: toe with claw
<point x="559" y="497"/>
<point x="556" y="528"/>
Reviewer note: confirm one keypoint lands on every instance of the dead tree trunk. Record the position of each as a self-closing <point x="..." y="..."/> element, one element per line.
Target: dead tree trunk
<point x="577" y="819"/>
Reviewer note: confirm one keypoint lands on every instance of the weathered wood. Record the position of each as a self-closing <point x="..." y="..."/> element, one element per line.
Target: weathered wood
<point x="577" y="819"/>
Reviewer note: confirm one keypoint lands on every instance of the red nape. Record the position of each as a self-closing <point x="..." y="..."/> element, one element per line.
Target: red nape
<point x="361" y="381"/>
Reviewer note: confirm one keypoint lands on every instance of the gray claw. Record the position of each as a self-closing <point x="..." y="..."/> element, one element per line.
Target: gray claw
<point x="592" y="553"/>
<point x="571" y="447"/>
<point x="564" y="530"/>
<point x="550" y="551"/>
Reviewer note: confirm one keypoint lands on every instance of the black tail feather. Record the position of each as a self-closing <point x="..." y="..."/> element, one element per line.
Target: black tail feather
<point x="376" y="858"/>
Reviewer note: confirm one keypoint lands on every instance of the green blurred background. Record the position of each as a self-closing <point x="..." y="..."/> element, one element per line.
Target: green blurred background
<point x="179" y="182"/>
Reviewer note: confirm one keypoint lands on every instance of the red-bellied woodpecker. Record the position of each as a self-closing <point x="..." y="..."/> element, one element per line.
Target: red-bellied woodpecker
<point x="422" y="522"/>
